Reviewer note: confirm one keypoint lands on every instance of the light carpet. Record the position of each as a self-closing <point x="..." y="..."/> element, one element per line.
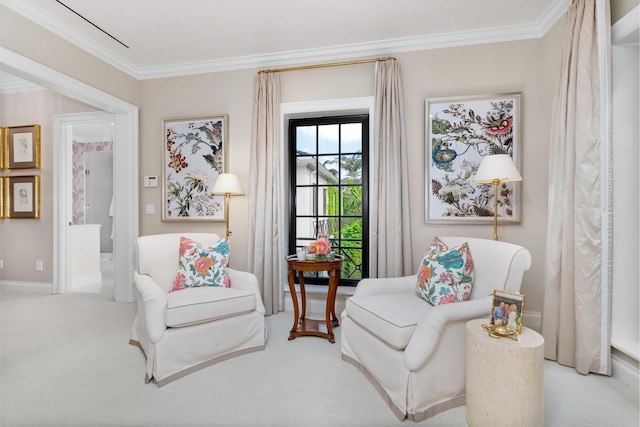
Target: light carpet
<point x="65" y="361"/>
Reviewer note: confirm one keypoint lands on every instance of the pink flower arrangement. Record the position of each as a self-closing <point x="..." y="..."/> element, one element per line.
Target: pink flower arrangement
<point x="320" y="246"/>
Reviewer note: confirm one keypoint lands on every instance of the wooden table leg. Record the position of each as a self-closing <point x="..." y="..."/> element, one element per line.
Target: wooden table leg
<point x="294" y="297"/>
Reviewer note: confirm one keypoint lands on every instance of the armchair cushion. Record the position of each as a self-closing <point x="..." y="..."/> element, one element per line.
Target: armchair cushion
<point x="445" y="275"/>
<point x="392" y="317"/>
<point x="202" y="266"/>
<point x="204" y="304"/>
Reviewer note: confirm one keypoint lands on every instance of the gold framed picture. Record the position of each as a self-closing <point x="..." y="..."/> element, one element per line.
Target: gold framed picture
<point x="2" y="179"/>
<point x="22" y="196"/>
<point x="22" y="147"/>
<point x="2" y="150"/>
<point x="507" y="309"/>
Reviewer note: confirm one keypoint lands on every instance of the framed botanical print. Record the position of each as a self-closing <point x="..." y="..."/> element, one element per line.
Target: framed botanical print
<point x="459" y="132"/>
<point x="22" y="147"/>
<point x="194" y="155"/>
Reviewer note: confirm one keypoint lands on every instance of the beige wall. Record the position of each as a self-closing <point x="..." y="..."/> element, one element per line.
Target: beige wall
<point x="524" y="66"/>
<point x="23" y="241"/>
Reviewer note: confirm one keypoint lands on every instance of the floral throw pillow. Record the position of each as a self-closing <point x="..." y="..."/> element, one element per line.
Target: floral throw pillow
<point x="202" y="266"/>
<point x="445" y="275"/>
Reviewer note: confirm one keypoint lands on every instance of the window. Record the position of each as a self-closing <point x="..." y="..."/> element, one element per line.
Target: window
<point x="328" y="163"/>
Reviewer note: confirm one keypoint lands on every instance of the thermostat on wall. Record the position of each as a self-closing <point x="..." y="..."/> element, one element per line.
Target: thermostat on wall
<point x="150" y="181"/>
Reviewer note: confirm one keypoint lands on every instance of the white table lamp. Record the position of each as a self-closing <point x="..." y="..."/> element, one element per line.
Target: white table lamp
<point x="227" y="184"/>
<point x="495" y="169"/>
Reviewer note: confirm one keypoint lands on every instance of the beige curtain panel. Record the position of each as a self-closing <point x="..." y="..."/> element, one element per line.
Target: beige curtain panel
<point x="390" y="220"/>
<point x="265" y="251"/>
<point x="577" y="300"/>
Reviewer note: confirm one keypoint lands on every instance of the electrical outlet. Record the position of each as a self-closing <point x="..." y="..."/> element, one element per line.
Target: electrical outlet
<point x="39" y="265"/>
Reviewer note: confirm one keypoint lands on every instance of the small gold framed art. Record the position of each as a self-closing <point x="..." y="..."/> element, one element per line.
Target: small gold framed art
<point x="507" y="309"/>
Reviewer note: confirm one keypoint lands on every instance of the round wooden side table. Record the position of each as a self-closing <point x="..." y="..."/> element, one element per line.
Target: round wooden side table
<point x="504" y="378"/>
<point x="302" y="325"/>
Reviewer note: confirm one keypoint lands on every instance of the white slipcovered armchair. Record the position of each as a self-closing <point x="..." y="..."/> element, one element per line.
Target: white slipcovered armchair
<point x="414" y="352"/>
<point x="183" y="331"/>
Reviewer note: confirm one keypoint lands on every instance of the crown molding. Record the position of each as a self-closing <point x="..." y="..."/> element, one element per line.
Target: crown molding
<point x="350" y="51"/>
<point x="625" y="31"/>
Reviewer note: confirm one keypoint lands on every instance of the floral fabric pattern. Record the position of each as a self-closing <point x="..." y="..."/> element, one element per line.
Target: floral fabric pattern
<point x="201" y="266"/>
<point x="445" y="275"/>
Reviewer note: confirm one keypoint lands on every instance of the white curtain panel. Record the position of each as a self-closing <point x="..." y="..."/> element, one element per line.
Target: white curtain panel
<point x="390" y="243"/>
<point x="265" y="217"/>
<point x="577" y="299"/>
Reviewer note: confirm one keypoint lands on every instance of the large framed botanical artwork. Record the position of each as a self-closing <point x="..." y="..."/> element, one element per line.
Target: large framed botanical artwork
<point x="459" y="132"/>
<point x="195" y="153"/>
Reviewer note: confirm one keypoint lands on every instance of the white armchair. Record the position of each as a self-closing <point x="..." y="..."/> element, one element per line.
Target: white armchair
<point x="184" y="331"/>
<point x="414" y="352"/>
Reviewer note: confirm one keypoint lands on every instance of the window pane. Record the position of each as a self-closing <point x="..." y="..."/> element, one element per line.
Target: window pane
<point x="351" y="263"/>
<point x="328" y="173"/>
<point x="306" y="170"/>
<point x="351" y="232"/>
<point x="351" y="168"/>
<point x="352" y="200"/>
<point x="306" y="139"/>
<point x="305" y="229"/>
<point x="306" y="202"/>
<point x="352" y="138"/>
<point x="328" y="139"/>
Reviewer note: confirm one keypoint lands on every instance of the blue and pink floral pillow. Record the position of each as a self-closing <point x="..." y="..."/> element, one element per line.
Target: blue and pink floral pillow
<point x="202" y="266"/>
<point x="445" y="275"/>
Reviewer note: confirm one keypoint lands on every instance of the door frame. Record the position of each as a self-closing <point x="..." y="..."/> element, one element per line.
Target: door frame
<point x="125" y="158"/>
<point x="63" y="189"/>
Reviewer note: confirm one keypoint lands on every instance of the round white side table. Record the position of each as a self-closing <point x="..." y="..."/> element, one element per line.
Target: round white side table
<point x="504" y="378"/>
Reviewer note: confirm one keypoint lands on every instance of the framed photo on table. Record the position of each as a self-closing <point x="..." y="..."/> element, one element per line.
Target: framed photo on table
<point x="21" y="196"/>
<point x="194" y="155"/>
<point x="459" y="132"/>
<point x="22" y="147"/>
<point x="507" y="309"/>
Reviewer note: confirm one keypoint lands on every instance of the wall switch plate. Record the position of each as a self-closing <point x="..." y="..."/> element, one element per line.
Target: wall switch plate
<point x="39" y="265"/>
<point x="150" y="209"/>
<point x="150" y="181"/>
<point x="1" y="263"/>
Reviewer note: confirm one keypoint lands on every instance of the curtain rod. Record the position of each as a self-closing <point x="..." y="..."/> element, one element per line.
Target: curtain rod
<point x="332" y="64"/>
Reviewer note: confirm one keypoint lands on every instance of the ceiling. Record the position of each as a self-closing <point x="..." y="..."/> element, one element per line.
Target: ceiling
<point x="166" y="38"/>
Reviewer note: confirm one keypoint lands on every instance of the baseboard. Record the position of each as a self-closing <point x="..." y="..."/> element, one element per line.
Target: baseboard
<point x="532" y="320"/>
<point x="625" y="369"/>
<point x="27" y="287"/>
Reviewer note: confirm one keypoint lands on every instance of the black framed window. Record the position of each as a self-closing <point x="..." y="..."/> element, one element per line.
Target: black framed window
<point x="328" y="163"/>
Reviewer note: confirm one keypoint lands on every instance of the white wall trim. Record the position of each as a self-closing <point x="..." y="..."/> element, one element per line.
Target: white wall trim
<point x="331" y="53"/>
<point x="125" y="157"/>
<point x="25" y="287"/>
<point x="625" y="372"/>
<point x="626" y="29"/>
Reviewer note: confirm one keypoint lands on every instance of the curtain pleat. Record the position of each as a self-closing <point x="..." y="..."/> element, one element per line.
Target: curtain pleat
<point x="576" y="310"/>
<point x="265" y="255"/>
<point x="390" y="246"/>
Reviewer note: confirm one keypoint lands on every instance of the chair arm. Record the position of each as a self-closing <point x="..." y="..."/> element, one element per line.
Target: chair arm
<point x="386" y="285"/>
<point x="154" y="300"/>
<point x="427" y="333"/>
<point x="247" y="281"/>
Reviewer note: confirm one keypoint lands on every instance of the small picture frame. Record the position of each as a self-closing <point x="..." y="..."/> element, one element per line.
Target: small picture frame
<point x="2" y="198"/>
<point x="21" y="196"/>
<point x="507" y="309"/>
<point x="3" y="155"/>
<point x="22" y="147"/>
